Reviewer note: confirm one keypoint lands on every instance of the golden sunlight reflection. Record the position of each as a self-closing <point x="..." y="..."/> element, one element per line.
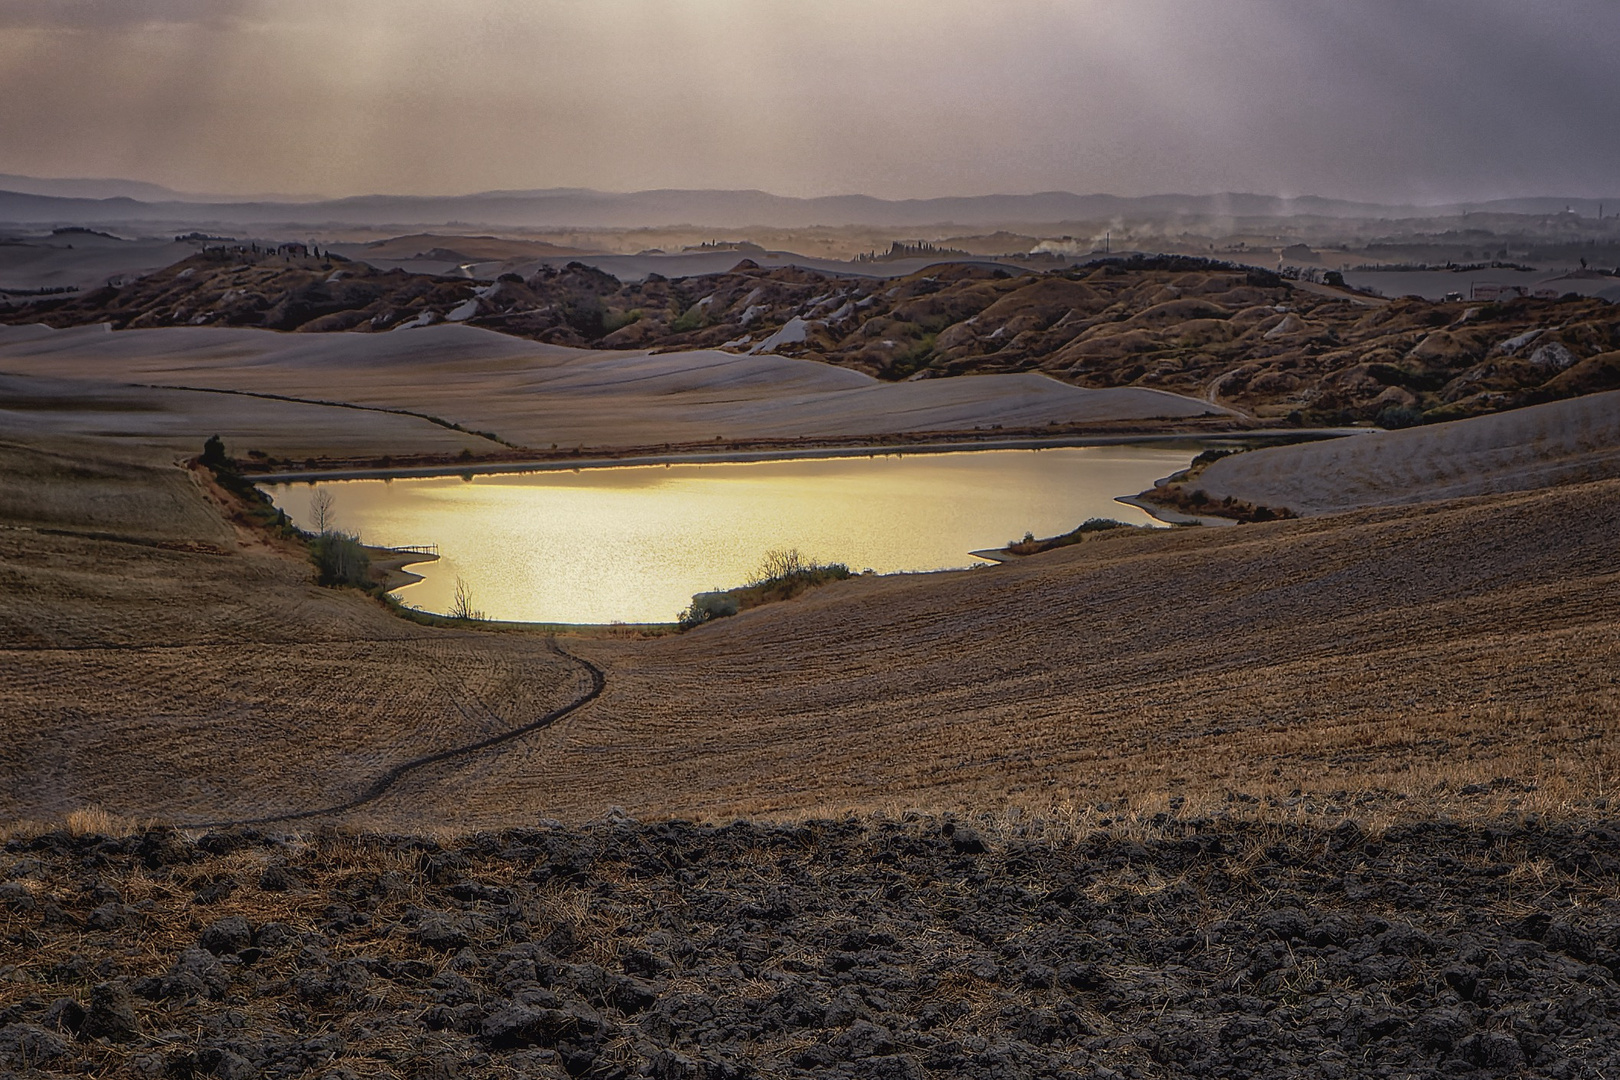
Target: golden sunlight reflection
<point x="634" y="544"/>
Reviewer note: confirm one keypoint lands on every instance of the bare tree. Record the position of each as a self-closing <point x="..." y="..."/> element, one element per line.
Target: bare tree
<point x="321" y="513"/>
<point x="780" y="563"/>
<point x="461" y="604"/>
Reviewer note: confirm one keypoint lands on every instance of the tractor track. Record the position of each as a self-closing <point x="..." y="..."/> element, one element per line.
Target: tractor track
<point x="385" y="783"/>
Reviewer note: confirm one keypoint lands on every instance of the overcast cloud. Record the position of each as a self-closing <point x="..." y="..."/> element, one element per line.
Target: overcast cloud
<point x="1391" y="100"/>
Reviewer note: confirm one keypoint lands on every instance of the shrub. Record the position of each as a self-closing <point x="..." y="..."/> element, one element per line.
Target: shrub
<point x="585" y="314"/>
<point x="690" y="319"/>
<point x="461" y="604"/>
<point x="1031" y="546"/>
<point x="912" y="360"/>
<point x="618" y="320"/>
<point x="1399" y="416"/>
<point x="1210" y="457"/>
<point x="213" y="454"/>
<point x="340" y="559"/>
<point x="708" y="606"/>
<point x="783" y="574"/>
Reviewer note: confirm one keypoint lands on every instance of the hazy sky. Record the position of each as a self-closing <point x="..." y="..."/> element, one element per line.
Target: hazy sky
<point x="1376" y="99"/>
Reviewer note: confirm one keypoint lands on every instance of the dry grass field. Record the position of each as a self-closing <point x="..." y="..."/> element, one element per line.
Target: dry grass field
<point x="159" y="661"/>
<point x="162" y="663"/>
<point x="1416" y="653"/>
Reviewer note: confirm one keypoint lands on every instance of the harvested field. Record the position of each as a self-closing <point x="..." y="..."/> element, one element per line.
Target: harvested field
<point x="529" y="393"/>
<point x="1557" y="443"/>
<point x="1210" y="781"/>
<point x="160" y="663"/>
<point x="180" y="420"/>
<point x="1416" y="652"/>
<point x="845" y="948"/>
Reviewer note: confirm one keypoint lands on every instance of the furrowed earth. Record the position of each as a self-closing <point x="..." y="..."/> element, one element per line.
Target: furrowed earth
<point x="849" y="948"/>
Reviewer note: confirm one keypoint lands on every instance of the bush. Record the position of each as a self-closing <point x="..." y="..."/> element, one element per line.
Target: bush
<point x="1399" y="416"/>
<point x="585" y="314"/>
<point x="1210" y="457"/>
<point x="213" y="454"/>
<point x="1031" y="546"/>
<point x="783" y="574"/>
<point x="461" y="604"/>
<point x="690" y="319"/>
<point x="340" y="559"/>
<point x="618" y="320"/>
<point x="707" y="607"/>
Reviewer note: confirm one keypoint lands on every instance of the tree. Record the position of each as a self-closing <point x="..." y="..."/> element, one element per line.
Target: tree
<point x="321" y="514"/>
<point x="461" y="604"/>
<point x="341" y="560"/>
<point x="213" y="454"/>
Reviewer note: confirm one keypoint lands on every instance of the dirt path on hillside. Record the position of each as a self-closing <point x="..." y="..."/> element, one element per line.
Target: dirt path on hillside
<point x="385" y="783"/>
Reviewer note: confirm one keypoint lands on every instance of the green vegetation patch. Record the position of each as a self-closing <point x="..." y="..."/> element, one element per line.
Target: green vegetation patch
<point x="783" y="574"/>
<point x="1029" y="545"/>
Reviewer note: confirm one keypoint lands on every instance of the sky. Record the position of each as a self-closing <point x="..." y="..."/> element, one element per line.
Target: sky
<point x="1382" y="100"/>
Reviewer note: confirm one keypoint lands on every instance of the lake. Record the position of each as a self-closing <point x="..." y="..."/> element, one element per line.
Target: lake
<point x="599" y="545"/>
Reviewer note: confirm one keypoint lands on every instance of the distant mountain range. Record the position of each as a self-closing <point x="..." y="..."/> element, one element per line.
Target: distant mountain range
<point x="109" y="188"/>
<point x="31" y="201"/>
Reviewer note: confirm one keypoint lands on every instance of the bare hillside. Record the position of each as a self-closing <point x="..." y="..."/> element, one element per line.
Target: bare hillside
<point x="1204" y="329"/>
<point x="504" y="392"/>
<point x="1556" y="443"/>
<point x="160" y="662"/>
<point x="156" y="657"/>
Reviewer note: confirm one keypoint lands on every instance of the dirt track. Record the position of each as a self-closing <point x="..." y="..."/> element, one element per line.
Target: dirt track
<point x="385" y="783"/>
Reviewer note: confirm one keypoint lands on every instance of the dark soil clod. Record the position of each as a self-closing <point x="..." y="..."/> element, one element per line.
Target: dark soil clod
<point x="1200" y="948"/>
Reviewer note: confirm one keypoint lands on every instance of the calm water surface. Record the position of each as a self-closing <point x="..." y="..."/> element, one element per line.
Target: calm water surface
<point x="634" y="544"/>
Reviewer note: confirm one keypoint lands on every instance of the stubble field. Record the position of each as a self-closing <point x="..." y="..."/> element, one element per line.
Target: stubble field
<point x="164" y="663"/>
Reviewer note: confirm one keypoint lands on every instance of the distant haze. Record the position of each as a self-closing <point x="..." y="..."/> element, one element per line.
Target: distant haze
<point x="1377" y="100"/>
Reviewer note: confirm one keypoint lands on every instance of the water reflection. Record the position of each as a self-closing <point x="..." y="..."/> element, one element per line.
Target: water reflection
<point x="634" y="544"/>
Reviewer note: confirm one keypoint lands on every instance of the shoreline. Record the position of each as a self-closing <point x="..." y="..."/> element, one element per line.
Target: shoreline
<point x="393" y="561"/>
<point x="398" y="578"/>
<point x="1173" y="517"/>
<point x="718" y="457"/>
